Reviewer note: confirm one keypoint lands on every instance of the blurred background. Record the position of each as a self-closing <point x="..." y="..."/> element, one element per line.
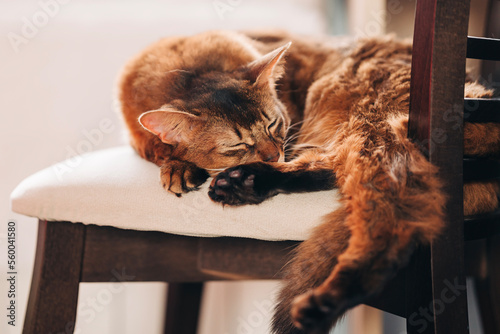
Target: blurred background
<point x="59" y="64"/>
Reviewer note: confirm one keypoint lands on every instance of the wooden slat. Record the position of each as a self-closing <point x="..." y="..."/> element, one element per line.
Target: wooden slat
<point x="140" y="256"/>
<point x="418" y="287"/>
<point x="481" y="169"/>
<point x="447" y="92"/>
<point x="157" y="256"/>
<point x="482" y="110"/>
<point x="419" y="123"/>
<point x="392" y="298"/>
<point x="238" y="258"/>
<point x="483" y="48"/>
<point x="482" y="226"/>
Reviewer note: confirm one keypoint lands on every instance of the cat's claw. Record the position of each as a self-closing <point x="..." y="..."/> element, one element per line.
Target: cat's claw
<point x="245" y="184"/>
<point x="181" y="177"/>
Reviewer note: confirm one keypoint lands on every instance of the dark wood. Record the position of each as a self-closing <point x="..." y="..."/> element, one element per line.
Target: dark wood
<point x="475" y="259"/>
<point x="54" y="287"/>
<point x="487" y="227"/>
<point x="437" y="88"/>
<point x="490" y="70"/>
<point x="392" y="297"/>
<point x="409" y="292"/>
<point x="447" y="93"/>
<point x="142" y="255"/>
<point x="157" y="256"/>
<point x="481" y="169"/>
<point x="183" y="308"/>
<point x="483" y="48"/>
<point x="482" y="110"/>
<point x="488" y="288"/>
<point x="482" y="226"/>
<point x="238" y="258"/>
<point x="418" y="292"/>
<point x="419" y="122"/>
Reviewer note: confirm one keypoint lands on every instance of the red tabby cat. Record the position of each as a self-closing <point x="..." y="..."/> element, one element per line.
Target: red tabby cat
<point x="338" y="113"/>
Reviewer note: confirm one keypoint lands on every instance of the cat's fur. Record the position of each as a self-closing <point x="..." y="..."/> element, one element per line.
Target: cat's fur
<point x="203" y="103"/>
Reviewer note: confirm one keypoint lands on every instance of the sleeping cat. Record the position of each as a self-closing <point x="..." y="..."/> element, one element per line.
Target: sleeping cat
<point x="223" y="102"/>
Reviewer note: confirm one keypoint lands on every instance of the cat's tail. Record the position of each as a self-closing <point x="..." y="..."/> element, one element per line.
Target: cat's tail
<point x="392" y="202"/>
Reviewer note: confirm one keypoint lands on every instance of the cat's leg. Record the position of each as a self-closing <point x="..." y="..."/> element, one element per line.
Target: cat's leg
<point x="150" y="147"/>
<point x="176" y="176"/>
<point x="361" y="271"/>
<point x="255" y="182"/>
<point x="314" y="259"/>
<point x="181" y="176"/>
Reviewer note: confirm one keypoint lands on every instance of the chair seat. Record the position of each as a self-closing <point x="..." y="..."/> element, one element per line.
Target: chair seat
<point x="116" y="187"/>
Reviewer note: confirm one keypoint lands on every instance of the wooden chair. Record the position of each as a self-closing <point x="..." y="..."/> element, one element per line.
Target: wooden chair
<point x="70" y="253"/>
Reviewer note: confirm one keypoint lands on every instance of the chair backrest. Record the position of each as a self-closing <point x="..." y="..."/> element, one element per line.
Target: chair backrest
<point x="440" y="48"/>
<point x="437" y="87"/>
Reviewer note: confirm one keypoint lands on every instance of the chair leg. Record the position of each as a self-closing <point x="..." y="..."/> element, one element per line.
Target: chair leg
<point x="53" y="296"/>
<point x="183" y="308"/>
<point x="488" y="289"/>
<point x="419" y="311"/>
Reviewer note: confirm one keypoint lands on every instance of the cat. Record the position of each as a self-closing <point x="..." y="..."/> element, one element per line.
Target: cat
<point x="268" y="113"/>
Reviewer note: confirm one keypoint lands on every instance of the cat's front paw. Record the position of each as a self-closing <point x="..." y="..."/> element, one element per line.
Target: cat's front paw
<point x="313" y="311"/>
<point x="244" y="184"/>
<point x="181" y="176"/>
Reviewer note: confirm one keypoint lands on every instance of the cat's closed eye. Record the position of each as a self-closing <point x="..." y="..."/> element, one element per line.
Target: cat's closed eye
<point x="242" y="145"/>
<point x="271" y="125"/>
<point x="235" y="153"/>
<point x="275" y="129"/>
<point x="238" y="150"/>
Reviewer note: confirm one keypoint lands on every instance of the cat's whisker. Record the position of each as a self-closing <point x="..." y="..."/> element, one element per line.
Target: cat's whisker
<point x="292" y="137"/>
<point x="294" y="150"/>
<point x="290" y="140"/>
<point x="296" y="123"/>
<point x="178" y="70"/>
<point x="293" y="125"/>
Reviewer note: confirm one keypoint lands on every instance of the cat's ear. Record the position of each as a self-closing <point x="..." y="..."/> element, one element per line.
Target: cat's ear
<point x="171" y="126"/>
<point x="267" y="69"/>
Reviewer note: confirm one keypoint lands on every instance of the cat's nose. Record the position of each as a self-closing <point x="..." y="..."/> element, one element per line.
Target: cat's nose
<point x="272" y="157"/>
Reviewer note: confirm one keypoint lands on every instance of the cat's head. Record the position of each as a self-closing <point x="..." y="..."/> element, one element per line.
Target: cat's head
<point x="222" y="119"/>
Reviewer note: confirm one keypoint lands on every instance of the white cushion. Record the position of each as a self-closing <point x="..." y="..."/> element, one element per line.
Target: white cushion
<point x="116" y="187"/>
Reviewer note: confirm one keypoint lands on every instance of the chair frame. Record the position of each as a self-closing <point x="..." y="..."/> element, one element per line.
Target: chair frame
<point x="70" y="253"/>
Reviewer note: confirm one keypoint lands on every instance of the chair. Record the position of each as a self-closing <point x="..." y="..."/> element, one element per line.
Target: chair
<point x="69" y="253"/>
